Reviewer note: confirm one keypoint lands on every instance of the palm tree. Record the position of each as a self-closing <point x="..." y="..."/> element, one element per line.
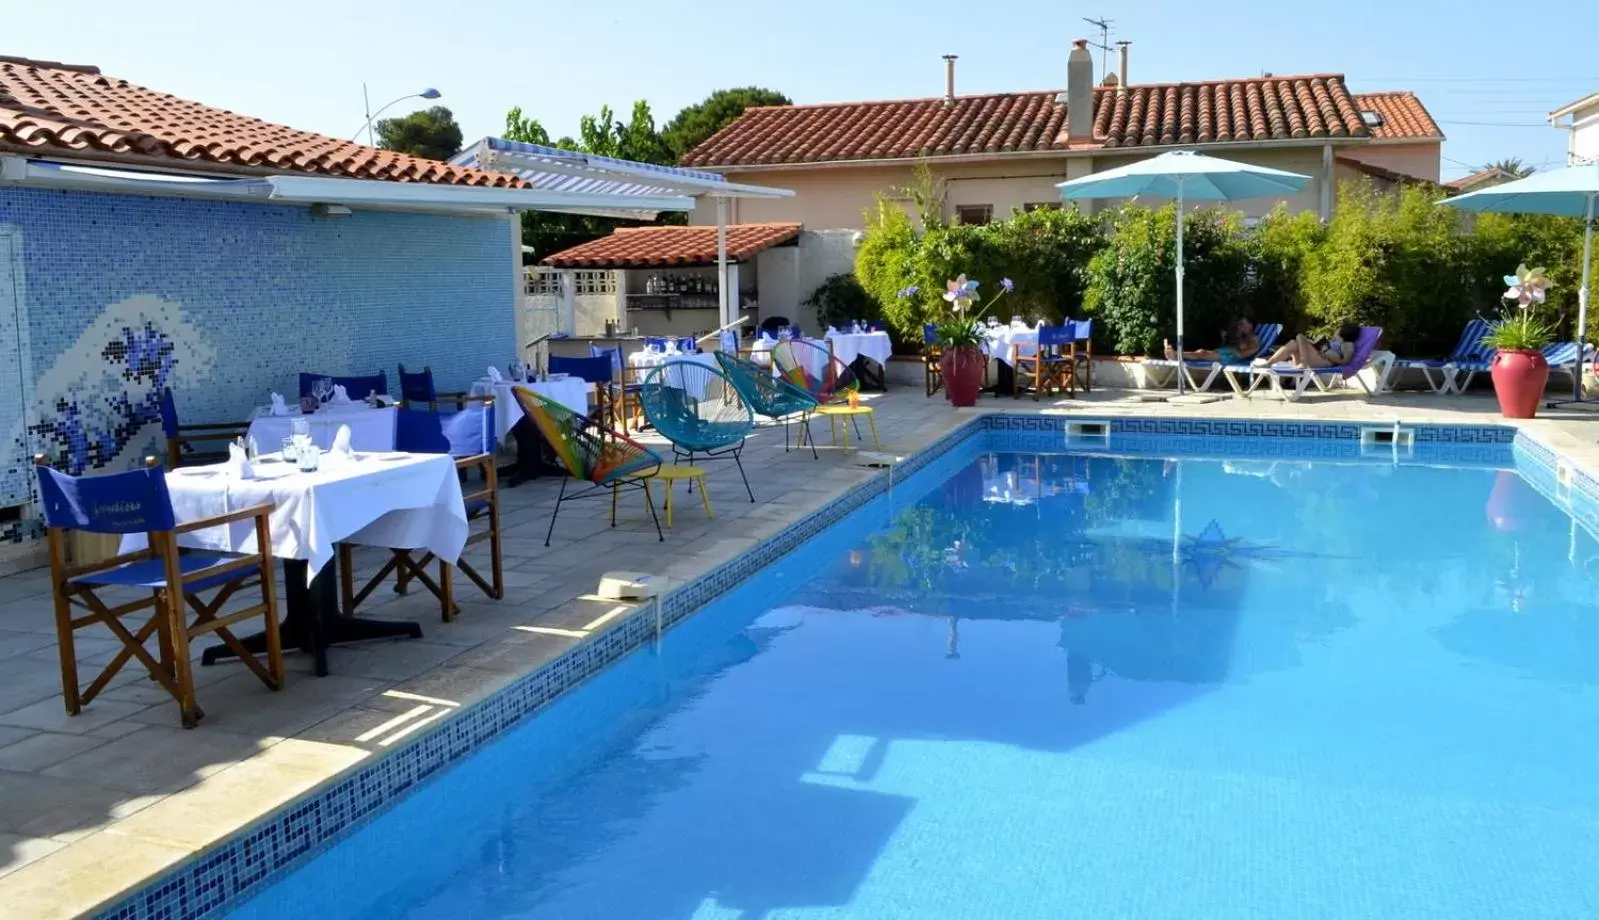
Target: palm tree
<point x="1513" y="166"/>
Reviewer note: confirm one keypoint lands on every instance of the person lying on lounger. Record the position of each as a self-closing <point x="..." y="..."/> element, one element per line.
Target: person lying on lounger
<point x="1241" y="346"/>
<point x="1304" y="351"/>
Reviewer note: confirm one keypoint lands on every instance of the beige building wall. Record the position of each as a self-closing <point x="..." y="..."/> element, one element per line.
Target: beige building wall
<point x="836" y="197"/>
<point x="1584" y="141"/>
<point x="1424" y="161"/>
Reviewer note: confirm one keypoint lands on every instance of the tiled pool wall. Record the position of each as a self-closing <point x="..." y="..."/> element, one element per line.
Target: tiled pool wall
<point x="279" y="843"/>
<point x="107" y="298"/>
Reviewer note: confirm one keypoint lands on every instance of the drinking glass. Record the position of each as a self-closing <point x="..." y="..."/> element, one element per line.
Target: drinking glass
<point x="517" y="369"/>
<point x="322" y="389"/>
<point x="290" y="450"/>
<point x="993" y="321"/>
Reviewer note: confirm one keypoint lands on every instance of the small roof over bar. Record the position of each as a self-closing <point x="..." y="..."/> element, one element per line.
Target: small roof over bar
<point x="673" y="247"/>
<point x="556" y="170"/>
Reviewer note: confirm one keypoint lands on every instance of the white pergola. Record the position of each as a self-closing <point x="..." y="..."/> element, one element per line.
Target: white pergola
<point x="551" y="169"/>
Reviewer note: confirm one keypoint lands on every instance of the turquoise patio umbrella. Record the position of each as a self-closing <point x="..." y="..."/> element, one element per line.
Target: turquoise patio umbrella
<point x="1567" y="192"/>
<point x="1184" y="174"/>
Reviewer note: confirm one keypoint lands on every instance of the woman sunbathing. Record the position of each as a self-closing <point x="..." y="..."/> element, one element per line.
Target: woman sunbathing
<point x="1304" y="351"/>
<point x="1244" y="343"/>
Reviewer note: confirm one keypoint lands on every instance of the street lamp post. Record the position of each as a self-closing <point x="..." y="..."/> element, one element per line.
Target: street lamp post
<point x="366" y="101"/>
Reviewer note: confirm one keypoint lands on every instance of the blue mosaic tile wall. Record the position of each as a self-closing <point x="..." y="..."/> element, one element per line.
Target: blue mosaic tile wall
<point x="224" y="301"/>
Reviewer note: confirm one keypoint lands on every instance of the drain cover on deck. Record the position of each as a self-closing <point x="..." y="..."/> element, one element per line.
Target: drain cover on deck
<point x="875" y="459"/>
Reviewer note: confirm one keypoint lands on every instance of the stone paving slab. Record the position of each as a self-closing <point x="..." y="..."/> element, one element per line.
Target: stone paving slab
<point x="91" y="806"/>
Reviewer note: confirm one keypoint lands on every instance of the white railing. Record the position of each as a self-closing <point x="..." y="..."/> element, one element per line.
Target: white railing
<point x="547" y="282"/>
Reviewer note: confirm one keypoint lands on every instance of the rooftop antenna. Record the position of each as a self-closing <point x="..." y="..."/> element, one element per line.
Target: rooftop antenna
<point x="1103" y="25"/>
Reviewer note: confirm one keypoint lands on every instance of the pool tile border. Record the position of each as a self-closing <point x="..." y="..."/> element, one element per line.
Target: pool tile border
<point x="279" y="843"/>
<point x="256" y="855"/>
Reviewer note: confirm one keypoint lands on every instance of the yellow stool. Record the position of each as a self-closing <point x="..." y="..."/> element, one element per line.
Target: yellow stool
<point x="670" y="474"/>
<point x="843" y="416"/>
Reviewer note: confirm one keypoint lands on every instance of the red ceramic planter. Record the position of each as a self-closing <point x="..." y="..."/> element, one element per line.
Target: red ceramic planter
<point x="1519" y="378"/>
<point x="963" y="374"/>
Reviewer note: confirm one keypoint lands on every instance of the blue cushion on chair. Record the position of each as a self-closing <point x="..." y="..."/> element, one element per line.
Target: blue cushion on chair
<point x="152" y="573"/>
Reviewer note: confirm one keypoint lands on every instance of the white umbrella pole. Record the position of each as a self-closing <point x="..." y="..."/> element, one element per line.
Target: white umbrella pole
<point x="1582" y="295"/>
<point x="1180" y="370"/>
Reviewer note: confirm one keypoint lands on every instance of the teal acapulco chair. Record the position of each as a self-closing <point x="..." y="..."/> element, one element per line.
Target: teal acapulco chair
<point x="698" y="409"/>
<point x="769" y="396"/>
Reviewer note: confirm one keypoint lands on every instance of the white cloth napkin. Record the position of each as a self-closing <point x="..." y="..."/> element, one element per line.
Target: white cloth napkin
<point x="341" y="443"/>
<point x="340" y="397"/>
<point x="494" y="374"/>
<point x="239" y="463"/>
<point x="671" y="346"/>
<point x="832" y="331"/>
<point x="279" y="407"/>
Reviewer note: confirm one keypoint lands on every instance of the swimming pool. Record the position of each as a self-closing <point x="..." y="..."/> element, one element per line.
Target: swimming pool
<point x="1157" y="681"/>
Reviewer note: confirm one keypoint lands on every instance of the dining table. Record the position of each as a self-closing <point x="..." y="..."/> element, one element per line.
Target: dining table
<point x="371" y="429"/>
<point x="384" y="499"/>
<point x="570" y="392"/>
<point x="643" y="362"/>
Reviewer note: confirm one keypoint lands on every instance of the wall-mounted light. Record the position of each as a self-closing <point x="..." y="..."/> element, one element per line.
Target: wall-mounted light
<point x="330" y="211"/>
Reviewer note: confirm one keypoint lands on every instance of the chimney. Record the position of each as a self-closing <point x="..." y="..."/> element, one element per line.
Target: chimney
<point x="949" y="78"/>
<point x="1121" y="47"/>
<point x="1079" y="93"/>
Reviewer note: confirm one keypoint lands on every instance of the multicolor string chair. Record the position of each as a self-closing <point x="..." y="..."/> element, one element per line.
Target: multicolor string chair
<point x="468" y="436"/>
<point x="698" y="409"/>
<point x="607" y="460"/>
<point x="814" y="369"/>
<point x="769" y="396"/>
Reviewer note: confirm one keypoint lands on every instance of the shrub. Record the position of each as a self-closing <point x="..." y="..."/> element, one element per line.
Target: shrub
<point x="840" y="300"/>
<point x="1132" y="284"/>
<point x="1278" y="249"/>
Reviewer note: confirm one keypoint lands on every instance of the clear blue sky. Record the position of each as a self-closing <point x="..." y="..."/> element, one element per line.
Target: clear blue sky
<point x="1488" y="73"/>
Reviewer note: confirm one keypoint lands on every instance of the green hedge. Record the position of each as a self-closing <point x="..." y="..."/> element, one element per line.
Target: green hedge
<point x="1394" y="259"/>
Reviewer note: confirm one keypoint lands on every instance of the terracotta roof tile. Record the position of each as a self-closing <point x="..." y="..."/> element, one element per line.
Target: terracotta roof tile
<point x="47" y="108"/>
<point x="1403" y="116"/>
<point x="1260" y="109"/>
<point x="650" y="247"/>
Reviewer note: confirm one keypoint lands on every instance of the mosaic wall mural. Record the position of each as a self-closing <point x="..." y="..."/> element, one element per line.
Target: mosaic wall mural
<point x="114" y="297"/>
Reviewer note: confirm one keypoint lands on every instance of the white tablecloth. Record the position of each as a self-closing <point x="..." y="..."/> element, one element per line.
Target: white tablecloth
<point x="848" y="346"/>
<point x="370" y="429"/>
<point x="407" y="501"/>
<point x="1006" y="342"/>
<point x="642" y="361"/>
<point x="571" y="393"/>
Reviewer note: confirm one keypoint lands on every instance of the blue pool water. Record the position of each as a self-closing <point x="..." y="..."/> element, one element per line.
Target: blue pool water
<point x="1039" y="686"/>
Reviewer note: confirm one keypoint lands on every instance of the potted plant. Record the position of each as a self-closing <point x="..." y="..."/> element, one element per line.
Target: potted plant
<point x="1518" y="368"/>
<point x="961" y="339"/>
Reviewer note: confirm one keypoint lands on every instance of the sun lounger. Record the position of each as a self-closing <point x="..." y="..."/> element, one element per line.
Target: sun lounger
<point x="1290" y="381"/>
<point x="1169" y="368"/>
<point x="1454" y="373"/>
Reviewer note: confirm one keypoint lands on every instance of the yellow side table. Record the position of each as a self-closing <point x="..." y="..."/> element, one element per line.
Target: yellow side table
<point x="844" y="416"/>
<point x="670" y="474"/>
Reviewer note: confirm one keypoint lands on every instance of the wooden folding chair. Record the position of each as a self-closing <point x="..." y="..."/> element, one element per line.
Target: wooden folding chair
<point x="416" y="387"/>
<point x="181" y="438"/>
<point x="1051" y="364"/>
<point x="932" y="353"/>
<point x="468" y="436"/>
<point x="138" y="502"/>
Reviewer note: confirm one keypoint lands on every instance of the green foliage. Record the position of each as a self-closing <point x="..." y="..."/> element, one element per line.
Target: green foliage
<point x="1397" y="260"/>
<point x="1132" y="283"/>
<point x="882" y="266"/>
<point x="696" y="123"/>
<point x="1514" y="166"/>
<point x="1279" y="247"/>
<point x="1524" y="332"/>
<point x="841" y="299"/>
<point x="926" y="193"/>
<point x="431" y="133"/>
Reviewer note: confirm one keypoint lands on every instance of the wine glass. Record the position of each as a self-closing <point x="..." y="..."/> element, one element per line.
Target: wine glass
<point x="516" y="368"/>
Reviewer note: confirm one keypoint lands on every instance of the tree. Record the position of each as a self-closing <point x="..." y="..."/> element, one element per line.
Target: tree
<point x="690" y="127"/>
<point x="1514" y="166"/>
<point x="431" y="133"/>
